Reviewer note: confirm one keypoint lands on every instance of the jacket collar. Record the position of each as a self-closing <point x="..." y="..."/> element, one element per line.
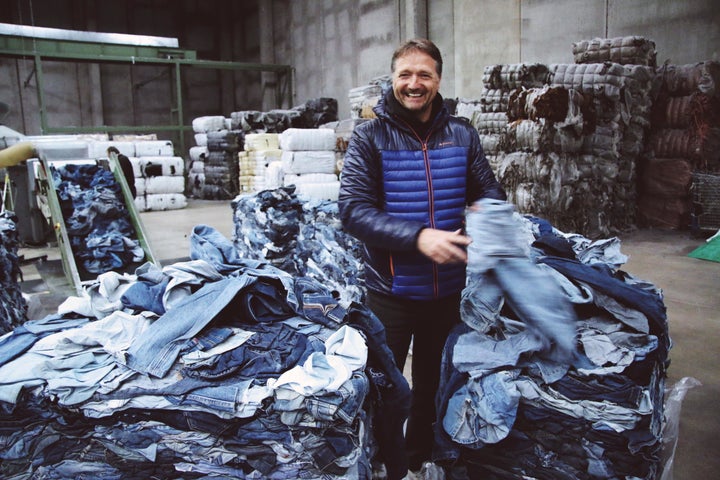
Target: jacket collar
<point x="390" y="109"/>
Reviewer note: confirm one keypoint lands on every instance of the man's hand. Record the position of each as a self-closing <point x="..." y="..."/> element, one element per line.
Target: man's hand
<point x="443" y="247"/>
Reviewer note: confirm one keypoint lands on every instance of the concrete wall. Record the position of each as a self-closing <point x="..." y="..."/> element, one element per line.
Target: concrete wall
<point x="333" y="45"/>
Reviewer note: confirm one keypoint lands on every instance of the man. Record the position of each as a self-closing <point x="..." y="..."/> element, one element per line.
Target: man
<point x="407" y="178"/>
<point x="126" y="167"/>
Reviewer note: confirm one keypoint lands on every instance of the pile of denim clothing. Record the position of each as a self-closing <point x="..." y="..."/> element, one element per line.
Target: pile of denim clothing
<point x="558" y="368"/>
<point x="13" y="307"/>
<point x="97" y="220"/>
<point x="218" y="367"/>
<point x="302" y="237"/>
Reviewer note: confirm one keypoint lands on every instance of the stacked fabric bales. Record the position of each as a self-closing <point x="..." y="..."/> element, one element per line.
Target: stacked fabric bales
<point x="233" y="167"/>
<point x="221" y="167"/>
<point x="309" y="162"/>
<point x="13" y="307"/>
<point x="684" y="140"/>
<point x="159" y="175"/>
<point x="558" y="369"/>
<point x="206" y="180"/>
<point x="364" y="98"/>
<point x="259" y="163"/>
<point x="215" y="367"/>
<point x="565" y="139"/>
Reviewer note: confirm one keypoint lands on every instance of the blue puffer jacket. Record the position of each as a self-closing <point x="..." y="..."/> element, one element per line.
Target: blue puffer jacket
<point x="394" y="184"/>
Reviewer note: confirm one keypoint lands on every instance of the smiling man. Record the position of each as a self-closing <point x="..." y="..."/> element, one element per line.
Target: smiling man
<point x="407" y="178"/>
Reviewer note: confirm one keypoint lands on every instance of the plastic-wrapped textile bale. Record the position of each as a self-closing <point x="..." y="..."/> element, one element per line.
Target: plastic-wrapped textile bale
<point x="317" y="111"/>
<point x="494" y="143"/>
<point x="629" y="50"/>
<point x="306" y="153"/>
<point x="261" y="141"/>
<point x="490" y="123"/>
<point x="550" y="103"/>
<point x="308" y="161"/>
<point x="160" y="176"/>
<point x="98" y="148"/>
<point x="160" y="185"/>
<point x="494" y="100"/>
<point x="225" y="140"/>
<point x="596" y="79"/>
<point x="314" y="186"/>
<point x="511" y="76"/>
<point x="363" y="98"/>
<point x="150" y="148"/>
<point x="209" y="123"/>
<point x="466" y="107"/>
<point x="680" y="80"/>
<point x="530" y="136"/>
<point x="298" y="139"/>
<point x="261" y="149"/>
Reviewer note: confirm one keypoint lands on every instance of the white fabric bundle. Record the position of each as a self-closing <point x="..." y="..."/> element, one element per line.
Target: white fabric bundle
<point x="149" y="148"/>
<point x="201" y="139"/>
<point x="138" y="166"/>
<point x="155" y="185"/>
<point x="198" y="152"/>
<point x="98" y="148"/>
<point x="319" y="191"/>
<point x="274" y="175"/>
<point x="208" y="123"/>
<point x="170" y="166"/>
<point x="196" y="180"/>
<point x="299" y="139"/>
<point x="197" y="166"/>
<point x="261" y="141"/>
<point x="252" y="183"/>
<point x="320" y="161"/>
<point x="294" y="179"/>
<point x="163" y="201"/>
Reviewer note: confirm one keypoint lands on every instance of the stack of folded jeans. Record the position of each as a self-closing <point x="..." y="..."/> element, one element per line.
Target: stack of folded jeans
<point x="216" y="367"/>
<point x="558" y="369"/>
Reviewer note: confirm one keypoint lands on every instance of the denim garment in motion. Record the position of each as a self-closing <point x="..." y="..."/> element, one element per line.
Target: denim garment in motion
<point x="498" y="262"/>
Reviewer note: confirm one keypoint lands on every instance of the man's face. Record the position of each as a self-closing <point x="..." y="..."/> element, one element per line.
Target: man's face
<point x="415" y="83"/>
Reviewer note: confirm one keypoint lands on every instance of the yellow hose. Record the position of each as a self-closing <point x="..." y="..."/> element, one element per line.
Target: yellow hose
<point x="16" y="154"/>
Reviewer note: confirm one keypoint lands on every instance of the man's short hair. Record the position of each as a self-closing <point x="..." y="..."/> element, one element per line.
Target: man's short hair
<point x="112" y="149"/>
<point x="421" y="45"/>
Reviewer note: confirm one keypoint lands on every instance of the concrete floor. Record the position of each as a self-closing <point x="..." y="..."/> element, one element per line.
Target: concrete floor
<point x="658" y="256"/>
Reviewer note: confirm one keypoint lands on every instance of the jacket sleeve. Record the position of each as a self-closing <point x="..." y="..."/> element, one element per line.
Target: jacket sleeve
<point x="361" y="197"/>
<point x="482" y="182"/>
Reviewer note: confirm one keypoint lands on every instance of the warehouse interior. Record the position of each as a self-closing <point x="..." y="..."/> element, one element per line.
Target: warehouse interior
<point x="601" y="116"/>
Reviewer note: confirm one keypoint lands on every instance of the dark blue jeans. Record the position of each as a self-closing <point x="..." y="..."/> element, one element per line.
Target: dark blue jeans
<point x="427" y="324"/>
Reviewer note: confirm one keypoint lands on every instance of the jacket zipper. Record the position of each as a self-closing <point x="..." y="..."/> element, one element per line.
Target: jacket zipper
<point x="428" y="174"/>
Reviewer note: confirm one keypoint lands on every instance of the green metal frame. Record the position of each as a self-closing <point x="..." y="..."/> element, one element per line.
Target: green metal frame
<point x="96" y="52"/>
<point x="47" y="188"/>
